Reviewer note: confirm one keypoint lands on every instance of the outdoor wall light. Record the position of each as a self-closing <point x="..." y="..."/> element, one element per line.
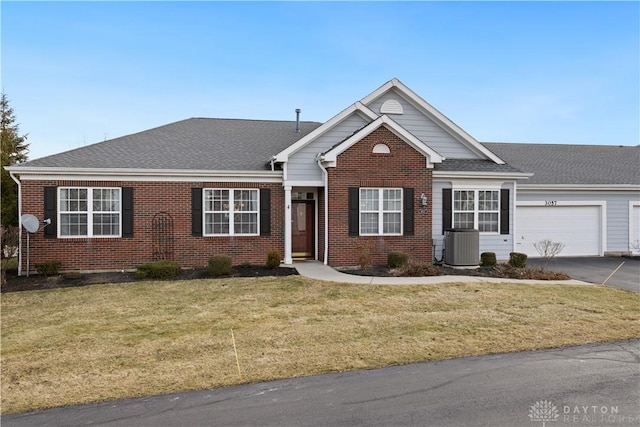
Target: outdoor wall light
<point x="423" y="199"/>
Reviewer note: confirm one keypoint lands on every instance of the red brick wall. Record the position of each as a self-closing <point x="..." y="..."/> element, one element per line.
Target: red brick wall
<point x="150" y="198"/>
<point x="359" y="167"/>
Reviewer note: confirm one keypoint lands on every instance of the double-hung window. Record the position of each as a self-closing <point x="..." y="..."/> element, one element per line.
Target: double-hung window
<point x="479" y="209"/>
<point x="380" y="211"/>
<point x="229" y="212"/>
<point x="89" y="212"/>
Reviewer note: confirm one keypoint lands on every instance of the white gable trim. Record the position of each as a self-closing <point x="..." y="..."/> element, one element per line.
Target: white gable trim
<point x="434" y="115"/>
<point x="329" y="158"/>
<point x="283" y="156"/>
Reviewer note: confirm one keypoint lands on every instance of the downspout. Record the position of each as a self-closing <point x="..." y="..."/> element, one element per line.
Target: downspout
<point x="325" y="176"/>
<point x="17" y="181"/>
<point x="515" y="213"/>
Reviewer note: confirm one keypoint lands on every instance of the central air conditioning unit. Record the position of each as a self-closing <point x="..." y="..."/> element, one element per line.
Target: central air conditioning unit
<point x="462" y="247"/>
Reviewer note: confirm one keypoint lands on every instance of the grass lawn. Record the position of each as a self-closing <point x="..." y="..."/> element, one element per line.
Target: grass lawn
<point x="76" y="345"/>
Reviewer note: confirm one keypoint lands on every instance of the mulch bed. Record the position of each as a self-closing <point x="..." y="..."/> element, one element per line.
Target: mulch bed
<point x="499" y="271"/>
<point x="17" y="283"/>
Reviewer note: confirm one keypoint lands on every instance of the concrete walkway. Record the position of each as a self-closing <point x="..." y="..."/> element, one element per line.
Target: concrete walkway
<point x="319" y="271"/>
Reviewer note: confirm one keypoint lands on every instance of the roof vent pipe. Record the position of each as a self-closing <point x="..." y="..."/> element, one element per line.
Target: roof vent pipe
<point x="298" y="120"/>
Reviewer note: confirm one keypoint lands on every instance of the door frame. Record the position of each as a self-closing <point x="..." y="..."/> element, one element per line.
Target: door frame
<point x="310" y="208"/>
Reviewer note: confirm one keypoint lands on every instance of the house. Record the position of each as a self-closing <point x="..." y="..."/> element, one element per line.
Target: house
<point x="388" y="173"/>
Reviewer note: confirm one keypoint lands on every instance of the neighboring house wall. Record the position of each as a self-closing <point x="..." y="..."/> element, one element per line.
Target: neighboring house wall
<point x="303" y="166"/>
<point x="617" y="221"/>
<point x="358" y="167"/>
<point x="424" y="129"/>
<point x="150" y="199"/>
<point x="500" y="244"/>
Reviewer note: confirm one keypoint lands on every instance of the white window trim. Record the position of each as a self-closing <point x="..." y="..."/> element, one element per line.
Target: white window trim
<point x="476" y="207"/>
<point x="89" y="213"/>
<point x="231" y="212"/>
<point x="380" y="211"/>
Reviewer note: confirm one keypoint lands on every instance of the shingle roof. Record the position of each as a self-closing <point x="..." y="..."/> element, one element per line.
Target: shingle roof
<point x="192" y="144"/>
<point x="573" y="164"/>
<point x="474" y="165"/>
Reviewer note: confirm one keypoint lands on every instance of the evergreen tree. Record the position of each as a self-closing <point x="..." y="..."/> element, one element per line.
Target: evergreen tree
<point x="14" y="150"/>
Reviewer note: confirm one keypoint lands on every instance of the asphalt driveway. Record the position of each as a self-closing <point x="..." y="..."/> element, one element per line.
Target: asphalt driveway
<point x="597" y="269"/>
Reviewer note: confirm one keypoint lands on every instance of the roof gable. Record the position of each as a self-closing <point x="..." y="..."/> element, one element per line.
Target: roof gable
<point x="434" y="115"/>
<point x="357" y="107"/>
<point x="329" y="157"/>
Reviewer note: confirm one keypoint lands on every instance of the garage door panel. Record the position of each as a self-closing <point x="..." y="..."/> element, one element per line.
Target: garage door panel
<point x="578" y="227"/>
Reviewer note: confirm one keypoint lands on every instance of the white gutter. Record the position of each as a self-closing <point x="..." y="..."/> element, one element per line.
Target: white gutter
<point x="19" y="223"/>
<point x="325" y="176"/>
<point x="37" y="173"/>
<point x="471" y="174"/>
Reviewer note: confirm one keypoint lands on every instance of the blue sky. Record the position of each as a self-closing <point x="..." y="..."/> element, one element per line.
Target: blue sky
<point x="77" y="73"/>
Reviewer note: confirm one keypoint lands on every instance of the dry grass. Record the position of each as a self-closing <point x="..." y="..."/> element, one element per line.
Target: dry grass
<point x="103" y="342"/>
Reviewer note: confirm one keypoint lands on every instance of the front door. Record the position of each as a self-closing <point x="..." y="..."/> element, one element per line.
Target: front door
<point x="302" y="228"/>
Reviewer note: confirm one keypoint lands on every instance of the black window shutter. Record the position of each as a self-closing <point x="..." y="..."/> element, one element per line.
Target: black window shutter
<point x="127" y="212"/>
<point x="504" y="211"/>
<point x="408" y="212"/>
<point x="447" y="209"/>
<point x="51" y="212"/>
<point x="196" y="211"/>
<point x="354" y="211"/>
<point x="265" y="212"/>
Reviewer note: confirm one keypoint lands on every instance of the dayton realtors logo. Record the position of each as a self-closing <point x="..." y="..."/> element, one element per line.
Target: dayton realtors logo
<point x="545" y="411"/>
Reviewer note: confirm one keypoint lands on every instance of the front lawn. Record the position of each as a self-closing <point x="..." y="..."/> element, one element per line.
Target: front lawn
<point x="101" y="342"/>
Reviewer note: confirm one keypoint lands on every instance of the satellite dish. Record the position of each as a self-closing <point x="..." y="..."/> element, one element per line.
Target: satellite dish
<point x="30" y="223"/>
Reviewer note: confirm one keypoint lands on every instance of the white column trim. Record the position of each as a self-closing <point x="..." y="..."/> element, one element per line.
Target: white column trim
<point x="288" y="260"/>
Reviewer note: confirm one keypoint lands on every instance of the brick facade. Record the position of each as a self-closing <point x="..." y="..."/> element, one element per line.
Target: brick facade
<point x="358" y="166"/>
<point x="150" y="198"/>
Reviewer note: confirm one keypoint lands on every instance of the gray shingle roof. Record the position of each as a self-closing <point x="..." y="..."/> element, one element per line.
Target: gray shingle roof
<point x="572" y="164"/>
<point x="192" y="144"/>
<point x="473" y="165"/>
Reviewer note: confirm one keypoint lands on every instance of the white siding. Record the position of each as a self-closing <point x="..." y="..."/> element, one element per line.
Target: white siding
<point x="302" y="165"/>
<point x="425" y="129"/>
<point x="500" y="244"/>
<point x="616" y="217"/>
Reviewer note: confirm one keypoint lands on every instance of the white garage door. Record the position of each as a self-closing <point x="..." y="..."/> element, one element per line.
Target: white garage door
<point x="578" y="227"/>
<point x="634" y="240"/>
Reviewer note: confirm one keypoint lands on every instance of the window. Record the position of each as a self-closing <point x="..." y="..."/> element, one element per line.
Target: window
<point x="89" y="212"/>
<point x="479" y="209"/>
<point x="380" y="211"/>
<point x="230" y="212"/>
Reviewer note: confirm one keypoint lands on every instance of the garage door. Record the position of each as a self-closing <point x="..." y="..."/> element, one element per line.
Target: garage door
<point x="578" y="227"/>
<point x="634" y="221"/>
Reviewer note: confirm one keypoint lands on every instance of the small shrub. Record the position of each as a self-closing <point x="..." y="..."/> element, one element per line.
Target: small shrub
<point x="397" y="259"/>
<point x="416" y="269"/>
<point x="273" y="259"/>
<point x="488" y="259"/>
<point x="219" y="265"/>
<point x="517" y="259"/>
<point x="158" y="270"/>
<point x="509" y="272"/>
<point x="364" y="256"/>
<point x="140" y="274"/>
<point x="48" y="268"/>
<point x="73" y="275"/>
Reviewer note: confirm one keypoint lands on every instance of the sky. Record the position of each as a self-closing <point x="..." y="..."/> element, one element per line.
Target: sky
<point x="78" y="73"/>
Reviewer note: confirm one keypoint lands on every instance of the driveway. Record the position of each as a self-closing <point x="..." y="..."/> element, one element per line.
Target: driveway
<point x="588" y="385"/>
<point x="597" y="269"/>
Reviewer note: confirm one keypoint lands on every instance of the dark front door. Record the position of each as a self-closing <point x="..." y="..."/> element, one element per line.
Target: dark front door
<point x="302" y="229"/>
